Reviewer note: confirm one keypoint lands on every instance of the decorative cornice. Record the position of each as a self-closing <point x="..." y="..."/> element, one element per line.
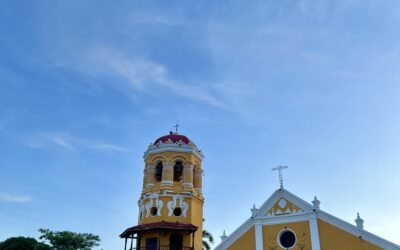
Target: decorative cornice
<point x="169" y="145"/>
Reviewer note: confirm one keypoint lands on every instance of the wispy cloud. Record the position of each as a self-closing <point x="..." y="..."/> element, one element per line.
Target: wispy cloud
<point x="15" y="198"/>
<point x="71" y="143"/>
<point x="140" y="74"/>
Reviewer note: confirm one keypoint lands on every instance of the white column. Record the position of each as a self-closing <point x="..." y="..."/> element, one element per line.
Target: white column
<point x="259" y="236"/>
<point x="314" y="234"/>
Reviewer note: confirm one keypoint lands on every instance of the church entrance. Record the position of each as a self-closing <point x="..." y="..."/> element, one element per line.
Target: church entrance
<point x="176" y="242"/>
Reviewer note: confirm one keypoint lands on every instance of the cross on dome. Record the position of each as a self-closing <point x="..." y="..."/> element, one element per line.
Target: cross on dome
<point x="176" y="127"/>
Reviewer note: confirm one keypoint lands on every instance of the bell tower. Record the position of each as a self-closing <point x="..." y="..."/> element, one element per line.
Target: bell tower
<point x="171" y="203"/>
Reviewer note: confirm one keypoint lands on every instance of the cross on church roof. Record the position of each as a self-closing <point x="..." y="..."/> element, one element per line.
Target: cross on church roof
<point x="280" y="168"/>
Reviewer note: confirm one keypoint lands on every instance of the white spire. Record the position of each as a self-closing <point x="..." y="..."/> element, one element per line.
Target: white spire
<point x="359" y="222"/>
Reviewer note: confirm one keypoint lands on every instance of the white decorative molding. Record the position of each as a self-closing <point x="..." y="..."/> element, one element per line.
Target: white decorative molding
<point x="149" y="185"/>
<point x="282" y="203"/>
<point x="174" y="147"/>
<point x="158" y="204"/>
<point x="223" y="236"/>
<point x="166" y="183"/>
<point x="253" y="210"/>
<point x="187" y="184"/>
<point x="141" y="209"/>
<point x="359" y="222"/>
<point x="171" y="205"/>
<point x="316" y="203"/>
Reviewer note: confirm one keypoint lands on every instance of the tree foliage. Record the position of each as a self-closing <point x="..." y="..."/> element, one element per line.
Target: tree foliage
<point x="23" y="243"/>
<point x="66" y="240"/>
<point x="208" y="239"/>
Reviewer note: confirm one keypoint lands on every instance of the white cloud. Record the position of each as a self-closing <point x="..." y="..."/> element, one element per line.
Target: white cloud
<point x="15" y="198"/>
<point x="71" y="143"/>
<point x="140" y="74"/>
<point x="60" y="140"/>
<point x="108" y="147"/>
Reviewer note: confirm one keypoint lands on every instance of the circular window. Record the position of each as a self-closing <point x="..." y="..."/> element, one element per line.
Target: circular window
<point x="153" y="211"/>
<point x="177" y="211"/>
<point x="287" y="239"/>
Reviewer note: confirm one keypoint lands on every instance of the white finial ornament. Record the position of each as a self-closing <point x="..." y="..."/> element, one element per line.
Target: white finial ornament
<point x="359" y="222"/>
<point x="280" y="168"/>
<point x="316" y="203"/>
<point x="254" y="210"/>
<point x="224" y="237"/>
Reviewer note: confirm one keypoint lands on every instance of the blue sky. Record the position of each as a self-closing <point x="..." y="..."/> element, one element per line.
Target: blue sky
<point x="85" y="86"/>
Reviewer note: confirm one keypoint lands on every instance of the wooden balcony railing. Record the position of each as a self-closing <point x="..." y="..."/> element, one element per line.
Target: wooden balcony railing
<point x="162" y="247"/>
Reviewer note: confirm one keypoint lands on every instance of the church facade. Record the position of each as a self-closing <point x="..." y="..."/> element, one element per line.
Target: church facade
<point x="285" y="221"/>
<point x="171" y="211"/>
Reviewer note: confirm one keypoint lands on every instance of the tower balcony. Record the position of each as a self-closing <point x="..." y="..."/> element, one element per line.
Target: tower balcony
<point x="162" y="247"/>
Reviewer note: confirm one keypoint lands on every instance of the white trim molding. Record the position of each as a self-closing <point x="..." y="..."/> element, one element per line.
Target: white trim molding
<point x="314" y="233"/>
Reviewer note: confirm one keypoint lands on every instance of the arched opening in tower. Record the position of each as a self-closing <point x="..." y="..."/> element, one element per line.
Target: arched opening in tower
<point x="178" y="170"/>
<point x="159" y="170"/>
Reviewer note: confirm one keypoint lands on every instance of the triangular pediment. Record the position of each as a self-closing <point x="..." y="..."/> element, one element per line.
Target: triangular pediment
<point x="282" y="203"/>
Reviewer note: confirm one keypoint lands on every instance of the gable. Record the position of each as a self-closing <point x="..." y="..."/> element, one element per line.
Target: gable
<point x="282" y="203"/>
<point x="284" y="209"/>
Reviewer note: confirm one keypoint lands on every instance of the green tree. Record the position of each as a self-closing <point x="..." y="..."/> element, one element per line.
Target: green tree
<point x="66" y="240"/>
<point x="23" y="243"/>
<point x="208" y="239"/>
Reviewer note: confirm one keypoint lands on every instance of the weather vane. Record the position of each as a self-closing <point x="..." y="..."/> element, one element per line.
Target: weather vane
<point x="280" y="168"/>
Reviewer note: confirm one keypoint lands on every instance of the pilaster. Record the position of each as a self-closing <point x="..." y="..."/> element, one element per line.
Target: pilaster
<point x="167" y="174"/>
<point x="314" y="234"/>
<point x="149" y="176"/>
<point x="188" y="176"/>
<point x="259" y="236"/>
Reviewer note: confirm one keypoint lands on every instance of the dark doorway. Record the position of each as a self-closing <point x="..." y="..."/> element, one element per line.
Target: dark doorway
<point x="151" y="244"/>
<point x="175" y="242"/>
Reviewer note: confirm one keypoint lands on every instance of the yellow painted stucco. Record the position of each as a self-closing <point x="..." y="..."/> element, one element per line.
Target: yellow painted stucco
<point x="245" y="242"/>
<point x="301" y="230"/>
<point x="195" y="202"/>
<point x="333" y="238"/>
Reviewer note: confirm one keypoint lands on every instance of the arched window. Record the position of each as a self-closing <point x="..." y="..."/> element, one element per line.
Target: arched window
<point x="194" y="176"/>
<point x="178" y="169"/>
<point x="158" y="173"/>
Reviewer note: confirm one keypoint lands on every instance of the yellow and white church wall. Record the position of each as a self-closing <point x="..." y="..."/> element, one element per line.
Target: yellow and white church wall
<point x="285" y="221"/>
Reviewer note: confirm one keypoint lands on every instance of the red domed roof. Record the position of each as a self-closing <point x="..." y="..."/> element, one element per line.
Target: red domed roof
<point x="174" y="137"/>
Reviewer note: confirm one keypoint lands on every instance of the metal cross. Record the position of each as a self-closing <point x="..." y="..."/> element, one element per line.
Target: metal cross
<point x="280" y="168"/>
<point x="176" y="127"/>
